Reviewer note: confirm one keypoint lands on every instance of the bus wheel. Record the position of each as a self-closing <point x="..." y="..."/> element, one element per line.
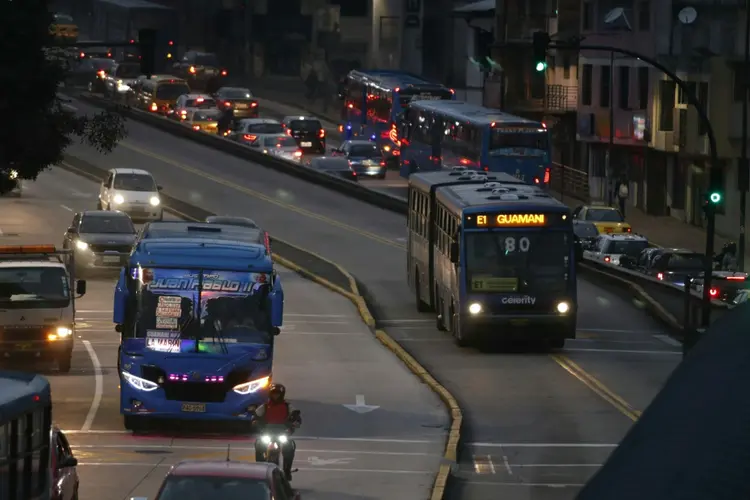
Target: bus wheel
<point x="133" y="423"/>
<point x="422" y="306"/>
<point x="459" y="336"/>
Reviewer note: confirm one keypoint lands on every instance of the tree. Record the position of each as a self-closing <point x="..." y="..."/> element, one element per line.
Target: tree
<point x="37" y="127"/>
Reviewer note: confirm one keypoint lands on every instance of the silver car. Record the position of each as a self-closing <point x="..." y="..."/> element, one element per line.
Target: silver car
<point x="252" y="131"/>
<point x="282" y="146"/>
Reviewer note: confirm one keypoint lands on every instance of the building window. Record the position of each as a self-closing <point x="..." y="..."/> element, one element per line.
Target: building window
<point x="644" y="15"/>
<point x="739" y="87"/>
<point x="351" y="8"/>
<point x="586" y="84"/>
<point x="682" y="98"/>
<point x="643" y="75"/>
<point x="623" y="86"/>
<point x="566" y="67"/>
<point x="666" y="113"/>
<point x="605" y="82"/>
<point x="588" y="16"/>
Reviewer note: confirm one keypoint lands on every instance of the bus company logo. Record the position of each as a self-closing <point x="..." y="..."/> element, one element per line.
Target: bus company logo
<point x="515" y="301"/>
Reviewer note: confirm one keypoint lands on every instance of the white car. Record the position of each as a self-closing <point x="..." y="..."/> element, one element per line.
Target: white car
<point x="610" y="248"/>
<point x="252" y="131"/>
<point x="132" y="191"/>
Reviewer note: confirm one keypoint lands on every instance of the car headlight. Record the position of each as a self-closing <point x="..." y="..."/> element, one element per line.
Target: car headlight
<point x="265" y="439"/>
<point x="13" y="174"/>
<point x="118" y="199"/>
<point x="252" y="386"/>
<point x="81" y="245"/>
<point x="475" y="308"/>
<point x="139" y="383"/>
<point x="64" y="331"/>
<point x="283" y="439"/>
<point x="563" y="307"/>
<point x="155" y="201"/>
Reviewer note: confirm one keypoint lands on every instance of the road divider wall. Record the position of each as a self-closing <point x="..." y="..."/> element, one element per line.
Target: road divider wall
<point x="334" y="277"/>
<point x="664" y="301"/>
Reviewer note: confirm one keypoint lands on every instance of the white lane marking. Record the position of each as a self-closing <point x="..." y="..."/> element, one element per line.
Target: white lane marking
<point x="625" y="351"/>
<point x="524" y="485"/>
<point x="609" y="330"/>
<point x="668" y="340"/>
<point x="607" y="341"/>
<point x="68" y="107"/>
<point x="67" y="208"/>
<point x="508" y="469"/>
<point x="98" y="387"/>
<point x="329" y="461"/>
<point x="528" y="466"/>
<point x="544" y="445"/>
<point x="223" y="449"/>
<point x="301" y="469"/>
<point x="397" y="321"/>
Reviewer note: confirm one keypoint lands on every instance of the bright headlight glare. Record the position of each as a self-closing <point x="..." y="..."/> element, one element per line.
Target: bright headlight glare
<point x="139" y="383"/>
<point x="81" y="245"/>
<point x="563" y="307"/>
<point x="475" y="308"/>
<point x="13" y="174"/>
<point x="283" y="439"/>
<point x="64" y="331"/>
<point x="119" y="199"/>
<point x="252" y="386"/>
<point x="155" y="201"/>
<point x="265" y="439"/>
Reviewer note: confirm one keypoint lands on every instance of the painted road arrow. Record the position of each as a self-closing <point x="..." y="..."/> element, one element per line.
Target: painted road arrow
<point x="328" y="461"/>
<point x="360" y="406"/>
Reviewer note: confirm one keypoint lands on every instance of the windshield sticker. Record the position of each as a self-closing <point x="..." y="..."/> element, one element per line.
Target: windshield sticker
<point x="166" y="323"/>
<point x="161" y="334"/>
<point x="162" y="341"/>
<point x="491" y="284"/>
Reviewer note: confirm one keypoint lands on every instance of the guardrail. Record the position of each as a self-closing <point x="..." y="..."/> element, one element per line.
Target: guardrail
<point x="665" y="301"/>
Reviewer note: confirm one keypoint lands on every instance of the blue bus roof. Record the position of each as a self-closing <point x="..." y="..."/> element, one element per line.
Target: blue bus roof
<point x="467" y="191"/>
<point x="390" y="80"/>
<point x="17" y="391"/>
<point x="210" y="254"/>
<point x="202" y="230"/>
<point x="472" y="113"/>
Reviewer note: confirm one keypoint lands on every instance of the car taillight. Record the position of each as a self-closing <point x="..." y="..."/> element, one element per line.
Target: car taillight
<point x="224" y="72"/>
<point x="547" y="175"/>
<point x="192" y="69"/>
<point x="253" y="104"/>
<point x="196" y="127"/>
<point x="322" y="133"/>
<point x="382" y="164"/>
<point x="713" y="292"/>
<point x="607" y="259"/>
<point x="660" y="276"/>
<point x="298" y="154"/>
<point x="154" y="107"/>
<point x="288" y="131"/>
<point x="101" y="73"/>
<point x="227" y="104"/>
<point x="536" y="180"/>
<point x="627" y="230"/>
<point x="249" y="137"/>
<point x="736" y="278"/>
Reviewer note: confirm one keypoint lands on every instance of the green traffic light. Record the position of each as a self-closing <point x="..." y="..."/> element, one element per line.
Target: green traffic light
<point x="715" y="197"/>
<point x="541" y="66"/>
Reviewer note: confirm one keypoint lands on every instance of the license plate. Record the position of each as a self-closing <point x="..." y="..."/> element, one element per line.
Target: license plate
<point x="241" y="105"/>
<point x="306" y="144"/>
<point x="164" y="344"/>
<point x="111" y="259"/>
<point x="23" y="347"/>
<point x="194" y="407"/>
<point x="210" y="71"/>
<point x="519" y="322"/>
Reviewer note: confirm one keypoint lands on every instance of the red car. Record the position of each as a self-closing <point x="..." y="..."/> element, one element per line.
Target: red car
<point x="64" y="474"/>
<point x="225" y="480"/>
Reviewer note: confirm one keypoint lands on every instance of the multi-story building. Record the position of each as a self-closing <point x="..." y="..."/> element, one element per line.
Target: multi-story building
<point x="551" y="95"/>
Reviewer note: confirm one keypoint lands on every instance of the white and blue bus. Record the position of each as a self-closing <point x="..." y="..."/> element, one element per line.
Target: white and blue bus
<point x="492" y="256"/>
<point x="373" y="101"/>
<point x="436" y="135"/>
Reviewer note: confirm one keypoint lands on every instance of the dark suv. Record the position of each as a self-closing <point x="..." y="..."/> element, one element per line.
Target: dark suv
<point x="307" y="131"/>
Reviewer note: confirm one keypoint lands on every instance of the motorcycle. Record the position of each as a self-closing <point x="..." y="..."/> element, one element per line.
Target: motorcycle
<point x="275" y="437"/>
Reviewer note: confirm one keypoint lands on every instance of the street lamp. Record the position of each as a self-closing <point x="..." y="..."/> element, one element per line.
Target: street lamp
<point x="743" y="176"/>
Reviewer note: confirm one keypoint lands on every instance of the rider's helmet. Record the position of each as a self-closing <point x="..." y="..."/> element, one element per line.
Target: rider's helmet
<point x="277" y="392"/>
<point x="730" y="247"/>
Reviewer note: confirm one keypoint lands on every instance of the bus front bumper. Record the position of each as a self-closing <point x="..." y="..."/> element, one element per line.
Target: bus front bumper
<point x="520" y="326"/>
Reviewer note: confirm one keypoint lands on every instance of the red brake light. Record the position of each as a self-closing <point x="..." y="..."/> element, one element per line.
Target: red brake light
<point x="453" y="91"/>
<point x="249" y="137"/>
<point x="536" y="180"/>
<point x="253" y="104"/>
<point x="606" y="259"/>
<point x="298" y="154"/>
<point x="200" y="99"/>
<point x="288" y="131"/>
<point x="227" y="104"/>
<point x="660" y="276"/>
<point x="322" y="133"/>
<point x="109" y="54"/>
<point x="101" y="73"/>
<point x="36" y="398"/>
<point x="223" y="72"/>
<point x="192" y="69"/>
<point x="547" y="174"/>
<point x="82" y="55"/>
<point x="171" y="43"/>
<point x="196" y="127"/>
<point x="464" y="161"/>
<point x="382" y="164"/>
<point x="736" y="278"/>
<point x="628" y="230"/>
<point x="154" y="107"/>
<point x="350" y="106"/>
<point x="132" y="41"/>
<point x="713" y="292"/>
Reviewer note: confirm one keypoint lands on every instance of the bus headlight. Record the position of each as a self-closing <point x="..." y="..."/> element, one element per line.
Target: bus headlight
<point x="63" y="331"/>
<point x="139" y="383"/>
<point x="252" y="386"/>
<point x="563" y="307"/>
<point x="475" y="308"/>
<point x="118" y="199"/>
<point x="155" y="201"/>
<point x="81" y="245"/>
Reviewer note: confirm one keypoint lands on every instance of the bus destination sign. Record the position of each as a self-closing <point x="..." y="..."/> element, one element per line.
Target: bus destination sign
<point x="481" y="221"/>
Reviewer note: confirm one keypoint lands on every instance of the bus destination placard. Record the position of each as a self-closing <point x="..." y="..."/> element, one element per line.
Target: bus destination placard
<point x="482" y="221"/>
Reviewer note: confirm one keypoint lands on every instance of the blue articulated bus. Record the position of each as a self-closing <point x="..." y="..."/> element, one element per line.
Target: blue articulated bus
<point x="197" y="307"/>
<point x="374" y="100"/>
<point x="25" y="426"/>
<point x="439" y="135"/>
<point x="492" y="256"/>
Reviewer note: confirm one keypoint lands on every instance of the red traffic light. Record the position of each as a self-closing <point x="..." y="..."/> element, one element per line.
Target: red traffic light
<point x="171" y="43"/>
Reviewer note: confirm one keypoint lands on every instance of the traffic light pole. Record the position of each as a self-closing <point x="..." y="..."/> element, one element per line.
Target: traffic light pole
<point x="743" y="163"/>
<point x="693" y="101"/>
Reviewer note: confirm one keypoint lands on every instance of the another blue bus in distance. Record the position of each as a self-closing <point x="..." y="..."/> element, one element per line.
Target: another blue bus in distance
<point x="197" y="307"/>
<point x="437" y="135"/>
<point x="25" y="426"/>
<point x="374" y="100"/>
<point x="492" y="256"/>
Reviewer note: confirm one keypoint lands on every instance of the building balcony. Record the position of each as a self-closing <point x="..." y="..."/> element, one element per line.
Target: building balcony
<point x="560" y="99"/>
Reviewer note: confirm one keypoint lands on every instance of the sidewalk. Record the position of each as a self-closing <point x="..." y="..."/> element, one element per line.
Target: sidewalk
<point x="663" y="231"/>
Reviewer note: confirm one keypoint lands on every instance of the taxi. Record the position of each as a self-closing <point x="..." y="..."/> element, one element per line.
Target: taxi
<point x="608" y="220"/>
<point x="64" y="28"/>
<point x="204" y="120"/>
<point x="159" y="93"/>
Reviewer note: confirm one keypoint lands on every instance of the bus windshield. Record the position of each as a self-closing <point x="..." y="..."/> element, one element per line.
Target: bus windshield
<point x="231" y="307"/>
<point x="517" y="261"/>
<point x="33" y="288"/>
<point x="517" y="139"/>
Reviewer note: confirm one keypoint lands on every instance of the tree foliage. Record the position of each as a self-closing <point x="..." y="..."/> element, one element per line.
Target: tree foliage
<point x="37" y="125"/>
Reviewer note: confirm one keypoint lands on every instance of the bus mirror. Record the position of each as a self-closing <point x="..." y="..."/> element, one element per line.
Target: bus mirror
<point x="118" y="328"/>
<point x="81" y="288"/>
<point x="454" y="252"/>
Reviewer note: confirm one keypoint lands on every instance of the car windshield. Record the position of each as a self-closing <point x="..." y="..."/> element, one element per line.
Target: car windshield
<point x="283" y="141"/>
<point x="33" y="287"/>
<point x="604" y="215"/>
<point x="171" y="91"/>
<point x="63" y="19"/>
<point x="527" y="138"/>
<point x="364" y="150"/>
<point x="632" y="248"/>
<point x="207" y="60"/>
<point x="102" y="64"/>
<point x="233" y="307"/>
<point x="305" y="125"/>
<point x="219" y="487"/>
<point x="110" y="224"/>
<point x="134" y="182"/>
<point x="128" y="70"/>
<point x="584" y="230"/>
<point x="517" y="261"/>
<point x="686" y="261"/>
<point x="236" y="94"/>
<point x="200" y="103"/>
<point x="264" y="128"/>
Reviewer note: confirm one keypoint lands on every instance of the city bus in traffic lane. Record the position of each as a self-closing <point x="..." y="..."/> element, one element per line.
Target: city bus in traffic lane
<point x="492" y="256"/>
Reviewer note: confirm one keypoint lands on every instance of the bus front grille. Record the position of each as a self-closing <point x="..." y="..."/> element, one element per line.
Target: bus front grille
<point x="196" y="392"/>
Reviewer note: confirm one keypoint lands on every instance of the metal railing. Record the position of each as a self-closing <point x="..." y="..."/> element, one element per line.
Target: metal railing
<point x="562" y="97"/>
<point x="570" y="182"/>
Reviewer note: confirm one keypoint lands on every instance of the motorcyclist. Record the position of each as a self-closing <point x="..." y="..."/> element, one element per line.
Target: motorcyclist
<point x="727" y="258"/>
<point x="278" y="411"/>
<point x="226" y="121"/>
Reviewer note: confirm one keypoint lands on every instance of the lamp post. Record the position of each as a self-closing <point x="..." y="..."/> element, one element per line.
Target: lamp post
<point x="742" y="166"/>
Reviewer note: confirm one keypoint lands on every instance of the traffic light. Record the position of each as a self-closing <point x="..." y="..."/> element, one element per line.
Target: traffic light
<point x="716" y="186"/>
<point x="541" y="41"/>
<point x="147" y="46"/>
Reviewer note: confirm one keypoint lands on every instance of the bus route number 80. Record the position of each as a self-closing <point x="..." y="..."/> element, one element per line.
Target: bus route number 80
<point x="512" y="245"/>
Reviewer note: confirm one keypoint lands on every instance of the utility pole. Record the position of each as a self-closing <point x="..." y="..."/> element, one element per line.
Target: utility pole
<point x="610" y="144"/>
<point x="743" y="175"/>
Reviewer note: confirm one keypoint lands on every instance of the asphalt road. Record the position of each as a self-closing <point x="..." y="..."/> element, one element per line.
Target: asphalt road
<point x="325" y="355"/>
<point x="536" y="425"/>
